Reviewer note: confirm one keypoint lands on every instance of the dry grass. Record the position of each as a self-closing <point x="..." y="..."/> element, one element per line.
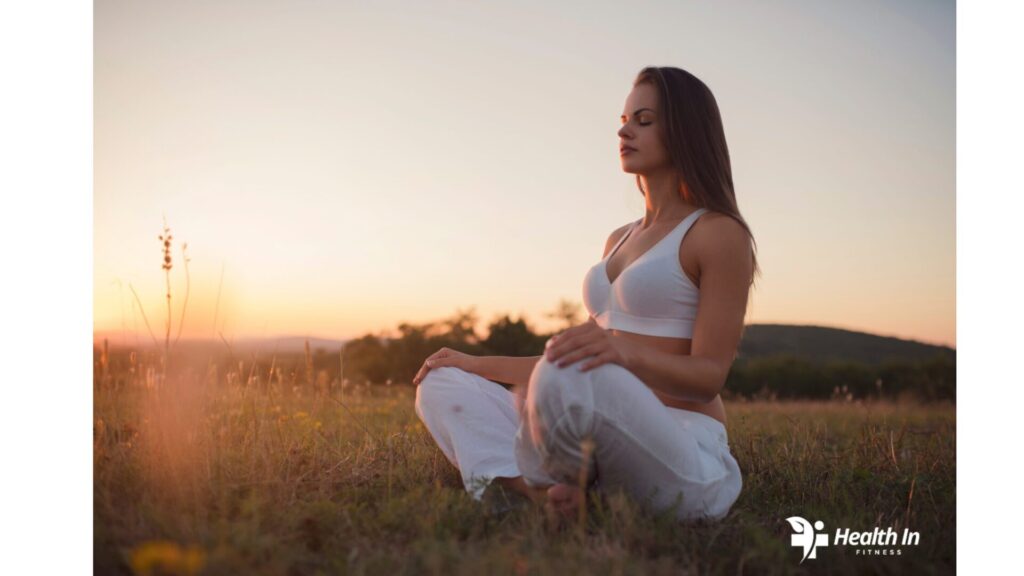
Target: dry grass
<point x="235" y="475"/>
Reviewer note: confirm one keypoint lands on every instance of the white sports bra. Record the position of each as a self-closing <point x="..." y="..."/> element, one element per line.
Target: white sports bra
<point x="652" y="295"/>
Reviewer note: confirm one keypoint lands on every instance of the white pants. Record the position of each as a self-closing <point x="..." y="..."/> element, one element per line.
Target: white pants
<point x="662" y="457"/>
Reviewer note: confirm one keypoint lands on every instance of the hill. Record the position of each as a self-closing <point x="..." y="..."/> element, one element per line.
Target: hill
<point x="819" y="344"/>
<point x="816" y="344"/>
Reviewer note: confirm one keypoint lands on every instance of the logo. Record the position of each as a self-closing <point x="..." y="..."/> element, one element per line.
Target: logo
<point x="807" y="537"/>
<point x="877" y="542"/>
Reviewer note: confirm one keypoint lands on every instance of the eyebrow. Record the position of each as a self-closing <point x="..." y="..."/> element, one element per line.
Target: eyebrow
<point x="637" y="111"/>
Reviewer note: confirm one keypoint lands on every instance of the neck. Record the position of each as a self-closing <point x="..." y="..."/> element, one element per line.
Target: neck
<point x="662" y="198"/>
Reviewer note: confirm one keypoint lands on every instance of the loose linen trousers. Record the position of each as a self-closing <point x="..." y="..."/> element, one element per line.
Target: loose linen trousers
<point x="605" y="419"/>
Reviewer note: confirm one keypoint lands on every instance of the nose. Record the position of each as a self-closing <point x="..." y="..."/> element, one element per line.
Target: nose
<point x="623" y="132"/>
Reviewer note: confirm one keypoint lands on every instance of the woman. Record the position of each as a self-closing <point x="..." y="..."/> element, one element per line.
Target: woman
<point x="630" y="399"/>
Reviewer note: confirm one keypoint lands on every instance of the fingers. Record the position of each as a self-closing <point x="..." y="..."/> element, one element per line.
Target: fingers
<point x="579" y="353"/>
<point x="424" y="370"/>
<point x="596" y="361"/>
<point x="551" y="342"/>
<point x="442" y="357"/>
<point x="439" y="362"/>
<point x="430" y="362"/>
<point x="555" y="348"/>
<point x="574" y="337"/>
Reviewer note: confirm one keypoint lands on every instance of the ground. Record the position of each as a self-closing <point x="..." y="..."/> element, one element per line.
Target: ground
<point x="229" y="479"/>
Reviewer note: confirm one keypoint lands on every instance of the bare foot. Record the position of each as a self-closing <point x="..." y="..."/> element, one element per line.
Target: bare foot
<point x="537" y="495"/>
<point x="564" y="501"/>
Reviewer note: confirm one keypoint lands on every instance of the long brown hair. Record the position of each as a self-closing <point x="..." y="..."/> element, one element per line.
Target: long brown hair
<point x="695" y="140"/>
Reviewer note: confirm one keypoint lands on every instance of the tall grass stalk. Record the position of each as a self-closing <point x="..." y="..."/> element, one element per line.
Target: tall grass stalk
<point x="166" y="238"/>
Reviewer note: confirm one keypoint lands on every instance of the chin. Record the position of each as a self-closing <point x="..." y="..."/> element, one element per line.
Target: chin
<point x="629" y="168"/>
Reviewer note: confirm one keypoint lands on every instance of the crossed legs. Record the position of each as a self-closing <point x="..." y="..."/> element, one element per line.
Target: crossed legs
<point x="570" y="422"/>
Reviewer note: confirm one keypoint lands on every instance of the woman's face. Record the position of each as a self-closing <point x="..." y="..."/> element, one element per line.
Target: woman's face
<point x="641" y="147"/>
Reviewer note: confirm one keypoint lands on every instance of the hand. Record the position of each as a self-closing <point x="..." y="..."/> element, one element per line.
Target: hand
<point x="445" y="357"/>
<point x="589" y="339"/>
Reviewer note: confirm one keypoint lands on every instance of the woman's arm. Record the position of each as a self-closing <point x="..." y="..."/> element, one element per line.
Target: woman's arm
<point x="689" y="378"/>
<point x="726" y="264"/>
<point x="726" y="269"/>
<point x="513" y="370"/>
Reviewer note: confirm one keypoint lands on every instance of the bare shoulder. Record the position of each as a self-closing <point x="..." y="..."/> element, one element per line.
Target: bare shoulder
<point x="615" y="236"/>
<point x="719" y="237"/>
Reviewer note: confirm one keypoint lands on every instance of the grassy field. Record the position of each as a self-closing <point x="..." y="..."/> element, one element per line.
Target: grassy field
<point x="232" y="479"/>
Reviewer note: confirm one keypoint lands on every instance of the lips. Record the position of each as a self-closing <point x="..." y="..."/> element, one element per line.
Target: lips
<point x="626" y="150"/>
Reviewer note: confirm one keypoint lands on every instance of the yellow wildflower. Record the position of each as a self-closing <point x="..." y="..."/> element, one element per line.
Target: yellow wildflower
<point x="164" y="556"/>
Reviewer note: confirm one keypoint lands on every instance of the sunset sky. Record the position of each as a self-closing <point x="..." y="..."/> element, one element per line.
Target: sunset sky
<point x="353" y="166"/>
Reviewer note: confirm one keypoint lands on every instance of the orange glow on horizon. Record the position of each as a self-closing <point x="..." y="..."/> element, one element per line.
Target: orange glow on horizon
<point x="347" y="174"/>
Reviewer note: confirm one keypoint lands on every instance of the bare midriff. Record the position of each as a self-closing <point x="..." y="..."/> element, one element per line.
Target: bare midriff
<point x="681" y="346"/>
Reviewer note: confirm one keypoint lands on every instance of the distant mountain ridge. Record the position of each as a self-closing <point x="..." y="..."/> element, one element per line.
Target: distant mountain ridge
<point x="820" y="344"/>
<point x="280" y="344"/>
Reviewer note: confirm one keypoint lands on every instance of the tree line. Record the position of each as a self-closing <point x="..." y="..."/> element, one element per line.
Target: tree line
<point x="396" y="359"/>
<point x="393" y="358"/>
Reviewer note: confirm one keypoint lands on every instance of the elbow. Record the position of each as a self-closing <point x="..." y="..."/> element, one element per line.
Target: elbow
<point x="709" y="397"/>
<point x="716" y="385"/>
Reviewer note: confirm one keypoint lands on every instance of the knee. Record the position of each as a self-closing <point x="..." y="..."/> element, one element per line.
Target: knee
<point x="548" y="382"/>
<point x="555" y="392"/>
<point x="565" y="386"/>
<point x="438" y="387"/>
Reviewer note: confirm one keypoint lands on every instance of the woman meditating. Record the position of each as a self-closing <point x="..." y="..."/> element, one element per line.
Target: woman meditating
<point x="629" y="400"/>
